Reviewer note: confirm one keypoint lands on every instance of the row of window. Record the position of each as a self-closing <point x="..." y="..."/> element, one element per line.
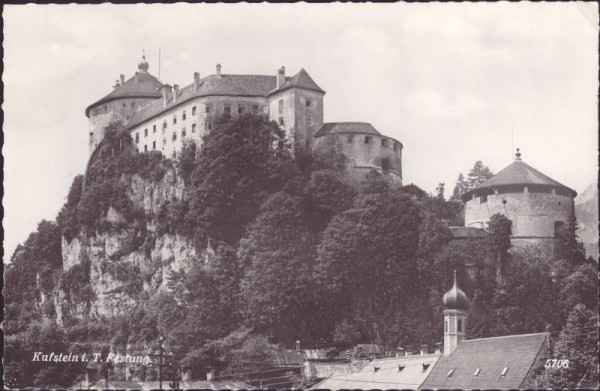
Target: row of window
<point x="207" y="126"/>
<point x="477" y="371"/>
<point x="385" y="143"/>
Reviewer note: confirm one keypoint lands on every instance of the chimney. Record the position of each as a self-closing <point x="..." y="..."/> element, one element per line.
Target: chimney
<point x="176" y="92"/>
<point x="438" y="347"/>
<point x="166" y="90"/>
<point x="280" y="77"/>
<point x="210" y="375"/>
<point x="196" y="81"/>
<point x="122" y="79"/>
<point x="424" y="349"/>
<point x="219" y="70"/>
<point x="116" y="84"/>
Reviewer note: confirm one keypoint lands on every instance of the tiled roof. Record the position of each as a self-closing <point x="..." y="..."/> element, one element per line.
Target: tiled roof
<point x="518" y="353"/>
<point x="406" y="372"/>
<point x="141" y="85"/>
<point x="467" y="232"/>
<point x="346" y="127"/>
<point x="299" y="80"/>
<point x="518" y="173"/>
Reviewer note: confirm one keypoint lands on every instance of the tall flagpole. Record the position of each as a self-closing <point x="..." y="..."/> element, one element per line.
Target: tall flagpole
<point x="158" y="64"/>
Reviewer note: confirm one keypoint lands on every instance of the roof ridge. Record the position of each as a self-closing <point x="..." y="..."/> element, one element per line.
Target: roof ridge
<point x="504" y="336"/>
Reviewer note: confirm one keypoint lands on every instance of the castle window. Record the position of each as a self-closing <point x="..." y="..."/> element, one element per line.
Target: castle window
<point x="183" y="133"/>
<point x="309" y="120"/>
<point x="558" y="227"/>
<point x="146" y="132"/>
<point x="350" y="139"/>
<point x="133" y="105"/>
<point x="194" y="110"/>
<point x="308" y="102"/>
<point x="164" y="142"/>
<point x="459" y="327"/>
<point x="385" y="165"/>
<point x="153" y="144"/>
<point x="241" y="109"/>
<point x="174" y="119"/>
<point x="105" y="109"/>
<point x="193" y="128"/>
<point x="385" y="143"/>
<point x="183" y="116"/>
<point x="255" y="109"/>
<point x="483" y="199"/>
<point x="208" y="108"/>
<point x="396" y="147"/>
<point x="153" y="128"/>
<point x="227" y="109"/>
<point x="95" y="112"/>
<point x="137" y="137"/>
<point x="164" y="125"/>
<point x="280" y="103"/>
<point x="281" y="121"/>
<point x="174" y="136"/>
<point x="367" y="139"/>
<point x="124" y="105"/>
<point x="145" y="148"/>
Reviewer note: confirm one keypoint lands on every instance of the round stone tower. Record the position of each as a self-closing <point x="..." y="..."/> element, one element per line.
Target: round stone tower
<point x="537" y="206"/>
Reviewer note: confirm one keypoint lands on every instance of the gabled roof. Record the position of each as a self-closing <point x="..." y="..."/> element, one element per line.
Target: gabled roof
<point x="518" y="353"/>
<point x="346" y="127"/>
<point x="406" y="372"/>
<point x="141" y="85"/>
<point x="518" y="173"/>
<point x="299" y="80"/>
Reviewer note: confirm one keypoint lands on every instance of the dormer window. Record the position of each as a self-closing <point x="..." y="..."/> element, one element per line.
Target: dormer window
<point x="477" y="372"/>
<point x="450" y="372"/>
<point x="504" y="371"/>
<point x="376" y="369"/>
<point x="425" y="367"/>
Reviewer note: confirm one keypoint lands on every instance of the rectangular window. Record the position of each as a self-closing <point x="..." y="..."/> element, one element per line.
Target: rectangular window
<point x="153" y="144"/>
<point x="183" y="133"/>
<point x="164" y="125"/>
<point x="483" y="199"/>
<point x="137" y="137"/>
<point x="308" y="103"/>
<point x="164" y="142"/>
<point x="459" y="327"/>
<point x="153" y="128"/>
<point x="280" y="106"/>
<point x="208" y="108"/>
<point x="350" y="139"/>
<point x="255" y="109"/>
<point x="241" y="109"/>
<point x="124" y="105"/>
<point x="174" y="136"/>
<point x="385" y="143"/>
<point x="183" y="116"/>
<point x="367" y="139"/>
<point x="132" y="105"/>
<point x="194" y="110"/>
<point x="309" y="120"/>
<point x="145" y="148"/>
<point x="146" y="132"/>
<point x="227" y="109"/>
<point x="281" y="121"/>
<point x="193" y="128"/>
<point x="209" y="126"/>
<point x="174" y="119"/>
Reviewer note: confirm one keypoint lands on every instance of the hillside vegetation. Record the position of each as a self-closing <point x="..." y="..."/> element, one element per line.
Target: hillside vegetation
<point x="238" y="247"/>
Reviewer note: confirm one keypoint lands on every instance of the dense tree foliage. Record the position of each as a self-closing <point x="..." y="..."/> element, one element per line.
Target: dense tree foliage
<point x="287" y="250"/>
<point x="476" y="177"/>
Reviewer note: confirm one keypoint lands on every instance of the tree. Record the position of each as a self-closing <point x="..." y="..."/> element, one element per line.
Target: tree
<point x="500" y="229"/>
<point x="478" y="175"/>
<point x="325" y="196"/>
<point x="460" y="188"/>
<point x="567" y="245"/>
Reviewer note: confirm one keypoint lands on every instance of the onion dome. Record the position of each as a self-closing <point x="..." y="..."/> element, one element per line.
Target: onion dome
<point x="143" y="65"/>
<point x="455" y="298"/>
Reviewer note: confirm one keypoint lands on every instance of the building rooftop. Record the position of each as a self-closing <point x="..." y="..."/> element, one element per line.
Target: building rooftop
<point x="300" y="80"/>
<point x="518" y="173"/>
<point x="407" y="372"/>
<point x="487" y="363"/>
<point x="346" y="127"/>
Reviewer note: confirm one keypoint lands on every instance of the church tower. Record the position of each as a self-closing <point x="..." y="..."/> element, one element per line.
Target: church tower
<point x="456" y="306"/>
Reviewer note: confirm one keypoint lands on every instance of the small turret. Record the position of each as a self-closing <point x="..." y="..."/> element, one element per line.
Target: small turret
<point x="143" y="65"/>
<point x="456" y="306"/>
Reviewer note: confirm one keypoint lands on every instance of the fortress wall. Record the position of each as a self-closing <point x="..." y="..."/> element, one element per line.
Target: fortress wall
<point x="363" y="156"/>
<point x="532" y="214"/>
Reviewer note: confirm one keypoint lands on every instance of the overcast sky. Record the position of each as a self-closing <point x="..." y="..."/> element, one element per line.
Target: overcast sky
<point x="449" y="81"/>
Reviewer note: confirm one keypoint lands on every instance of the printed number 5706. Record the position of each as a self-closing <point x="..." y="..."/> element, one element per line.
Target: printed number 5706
<point x="554" y="363"/>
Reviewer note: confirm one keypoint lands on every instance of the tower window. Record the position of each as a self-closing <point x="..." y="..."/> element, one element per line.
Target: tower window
<point x="193" y="128"/>
<point x="459" y="326"/>
<point x="385" y="165"/>
<point x="385" y="143"/>
<point x="174" y="119"/>
<point x="124" y="105"/>
<point x="194" y="110"/>
<point x="367" y="139"/>
<point x="208" y="108"/>
<point x="227" y="109"/>
<point x="132" y="105"/>
<point x="281" y="121"/>
<point x="164" y="125"/>
<point x="183" y="133"/>
<point x="280" y="103"/>
<point x="153" y="144"/>
<point x="255" y="109"/>
<point x="446" y="326"/>
<point x="146" y="132"/>
<point x="153" y="128"/>
<point x="183" y="116"/>
<point x="241" y="109"/>
<point x="308" y="103"/>
<point x="350" y="139"/>
<point x="558" y="227"/>
<point x="174" y="136"/>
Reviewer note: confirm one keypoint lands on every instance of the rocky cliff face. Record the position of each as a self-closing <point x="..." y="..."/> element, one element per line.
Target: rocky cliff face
<point x="586" y="210"/>
<point x="126" y="265"/>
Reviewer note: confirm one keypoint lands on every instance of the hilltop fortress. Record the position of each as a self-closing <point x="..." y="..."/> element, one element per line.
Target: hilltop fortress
<point x="159" y="117"/>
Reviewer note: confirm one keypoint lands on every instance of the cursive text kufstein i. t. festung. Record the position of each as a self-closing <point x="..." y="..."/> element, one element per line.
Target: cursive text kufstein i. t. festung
<point x="95" y="357"/>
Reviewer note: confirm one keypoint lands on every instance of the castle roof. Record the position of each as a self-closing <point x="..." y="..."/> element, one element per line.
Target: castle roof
<point x="346" y="127"/>
<point x="487" y="363"/>
<point x="300" y="80"/>
<point x="141" y="85"/>
<point x="518" y="173"/>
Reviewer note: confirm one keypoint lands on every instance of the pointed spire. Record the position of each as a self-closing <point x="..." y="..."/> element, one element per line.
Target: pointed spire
<point x="518" y="155"/>
<point x="143" y="65"/>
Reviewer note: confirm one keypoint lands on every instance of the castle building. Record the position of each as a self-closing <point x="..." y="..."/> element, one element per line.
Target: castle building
<point x="159" y="116"/>
<point x="538" y="206"/>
